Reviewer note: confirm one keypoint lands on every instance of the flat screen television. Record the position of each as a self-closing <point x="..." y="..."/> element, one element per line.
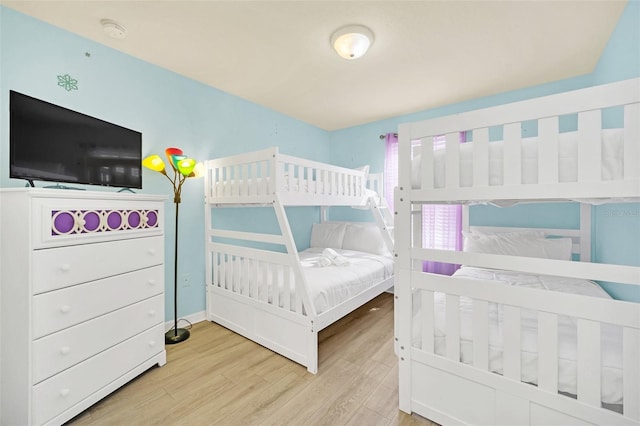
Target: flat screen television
<point x="50" y="143"/>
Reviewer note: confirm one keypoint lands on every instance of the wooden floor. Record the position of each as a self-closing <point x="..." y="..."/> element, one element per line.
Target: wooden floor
<point x="219" y="377"/>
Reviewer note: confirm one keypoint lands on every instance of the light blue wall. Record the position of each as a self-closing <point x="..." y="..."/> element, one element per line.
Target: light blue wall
<point x="612" y="240"/>
<point x="169" y="110"/>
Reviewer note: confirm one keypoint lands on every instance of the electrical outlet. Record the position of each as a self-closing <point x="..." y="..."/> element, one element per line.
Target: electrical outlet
<point x="186" y="279"/>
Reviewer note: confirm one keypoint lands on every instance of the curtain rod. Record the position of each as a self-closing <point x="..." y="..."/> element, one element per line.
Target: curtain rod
<point x="384" y="136"/>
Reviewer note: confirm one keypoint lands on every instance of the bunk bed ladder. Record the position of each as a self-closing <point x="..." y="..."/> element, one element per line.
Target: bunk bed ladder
<point x="384" y="219"/>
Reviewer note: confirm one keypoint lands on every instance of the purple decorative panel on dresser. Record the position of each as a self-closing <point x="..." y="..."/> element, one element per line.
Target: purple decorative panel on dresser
<point x="66" y="222"/>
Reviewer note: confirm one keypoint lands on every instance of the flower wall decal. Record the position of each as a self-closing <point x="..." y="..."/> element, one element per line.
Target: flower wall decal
<point x="67" y="82"/>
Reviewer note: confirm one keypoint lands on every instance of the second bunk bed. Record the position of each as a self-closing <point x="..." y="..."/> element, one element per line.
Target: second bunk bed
<point x="258" y="283"/>
<point x="522" y="333"/>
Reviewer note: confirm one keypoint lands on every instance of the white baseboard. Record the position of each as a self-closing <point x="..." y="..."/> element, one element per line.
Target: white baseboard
<point x="192" y="318"/>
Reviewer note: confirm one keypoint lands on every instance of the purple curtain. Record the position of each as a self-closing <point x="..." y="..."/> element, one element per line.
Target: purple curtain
<point x="441" y="224"/>
<point x="442" y="228"/>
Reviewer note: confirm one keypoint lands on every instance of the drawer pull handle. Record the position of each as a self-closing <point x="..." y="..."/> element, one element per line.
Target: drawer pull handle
<point x="152" y="313"/>
<point x="152" y="282"/>
<point x="64" y="392"/>
<point x="152" y="343"/>
<point x="65" y="267"/>
<point x="65" y="350"/>
<point x="65" y="309"/>
<point x="151" y="251"/>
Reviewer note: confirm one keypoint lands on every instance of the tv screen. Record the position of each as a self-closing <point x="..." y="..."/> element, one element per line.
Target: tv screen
<point x="51" y="143"/>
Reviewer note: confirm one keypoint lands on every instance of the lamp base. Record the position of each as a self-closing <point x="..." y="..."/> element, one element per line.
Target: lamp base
<point x="176" y="336"/>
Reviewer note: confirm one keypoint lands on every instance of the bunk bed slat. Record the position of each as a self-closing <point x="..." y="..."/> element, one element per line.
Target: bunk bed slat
<point x="427" y="321"/>
<point x="275" y="293"/>
<point x="255" y="273"/>
<point x="452" y="173"/>
<point x="426" y="160"/>
<point x="548" y="150"/>
<point x="480" y="334"/>
<point x="632" y="141"/>
<point x="631" y="374"/>
<point x="590" y="146"/>
<point x="242" y="275"/>
<point x="588" y="359"/>
<point x="237" y="181"/>
<point x="268" y="170"/>
<point x="481" y="157"/>
<point x="244" y="183"/>
<point x="453" y="327"/>
<point x="263" y="282"/>
<point x="512" y="169"/>
<point x="286" y="291"/>
<point x="548" y="351"/>
<point x="511" y="342"/>
<point x="235" y="271"/>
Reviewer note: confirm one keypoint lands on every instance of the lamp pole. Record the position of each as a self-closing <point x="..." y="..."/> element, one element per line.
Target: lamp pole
<point x="183" y="168"/>
<point x="176" y="335"/>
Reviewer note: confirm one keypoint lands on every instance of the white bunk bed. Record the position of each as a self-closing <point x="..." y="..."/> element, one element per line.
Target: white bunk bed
<point x="281" y="299"/>
<point x="465" y="342"/>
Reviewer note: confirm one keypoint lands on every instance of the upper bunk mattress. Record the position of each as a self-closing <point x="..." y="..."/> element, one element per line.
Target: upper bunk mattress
<point x="612" y="160"/>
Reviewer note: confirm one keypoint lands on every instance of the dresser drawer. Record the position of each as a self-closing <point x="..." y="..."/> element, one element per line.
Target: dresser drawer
<point x="66" y="389"/>
<point x="69" y="306"/>
<point x="65" y="222"/>
<point x="59" y="351"/>
<point x="65" y="266"/>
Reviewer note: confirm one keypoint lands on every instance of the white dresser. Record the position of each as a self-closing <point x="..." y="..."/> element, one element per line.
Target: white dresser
<point x="82" y="298"/>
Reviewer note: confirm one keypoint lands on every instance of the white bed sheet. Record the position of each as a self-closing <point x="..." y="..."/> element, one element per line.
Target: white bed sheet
<point x="331" y="285"/>
<point x="611" y="375"/>
<point x="612" y="160"/>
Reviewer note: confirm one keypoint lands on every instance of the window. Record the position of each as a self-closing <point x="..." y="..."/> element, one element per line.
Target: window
<point x="441" y="224"/>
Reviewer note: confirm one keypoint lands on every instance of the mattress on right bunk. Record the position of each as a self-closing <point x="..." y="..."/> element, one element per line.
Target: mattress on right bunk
<point x="612" y="148"/>
<point x="611" y="336"/>
<point x="528" y="244"/>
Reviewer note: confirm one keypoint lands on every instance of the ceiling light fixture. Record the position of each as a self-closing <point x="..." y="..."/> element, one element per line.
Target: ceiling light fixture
<point x="113" y="29"/>
<point x="353" y="41"/>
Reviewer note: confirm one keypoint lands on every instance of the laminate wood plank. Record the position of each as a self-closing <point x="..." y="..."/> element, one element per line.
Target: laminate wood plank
<point x="219" y="377"/>
<point x="367" y="417"/>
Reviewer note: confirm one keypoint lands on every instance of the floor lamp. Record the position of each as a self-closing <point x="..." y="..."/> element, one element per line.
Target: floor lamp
<point x="183" y="168"/>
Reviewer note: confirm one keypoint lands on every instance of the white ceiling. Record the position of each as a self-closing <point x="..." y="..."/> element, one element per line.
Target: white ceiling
<point x="277" y="54"/>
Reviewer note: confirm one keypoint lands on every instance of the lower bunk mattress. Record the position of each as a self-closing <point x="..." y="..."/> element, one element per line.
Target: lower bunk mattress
<point x="355" y="271"/>
<point x="332" y="275"/>
<point x="611" y="336"/>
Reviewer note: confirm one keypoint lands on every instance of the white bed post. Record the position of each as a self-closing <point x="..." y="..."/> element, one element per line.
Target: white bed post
<point x="402" y="297"/>
<point x="301" y="284"/>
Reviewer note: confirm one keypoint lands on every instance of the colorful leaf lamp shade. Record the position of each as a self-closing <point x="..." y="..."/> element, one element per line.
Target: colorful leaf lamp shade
<point x="186" y="166"/>
<point x="183" y="168"/>
<point x="155" y="163"/>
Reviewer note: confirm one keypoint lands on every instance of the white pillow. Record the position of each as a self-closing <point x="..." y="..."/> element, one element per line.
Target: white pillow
<point x="364" y="236"/>
<point x="327" y="235"/>
<point x="519" y="243"/>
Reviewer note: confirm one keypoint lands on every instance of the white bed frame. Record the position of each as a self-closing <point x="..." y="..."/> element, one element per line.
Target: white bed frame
<point x="442" y="388"/>
<point x="268" y="178"/>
